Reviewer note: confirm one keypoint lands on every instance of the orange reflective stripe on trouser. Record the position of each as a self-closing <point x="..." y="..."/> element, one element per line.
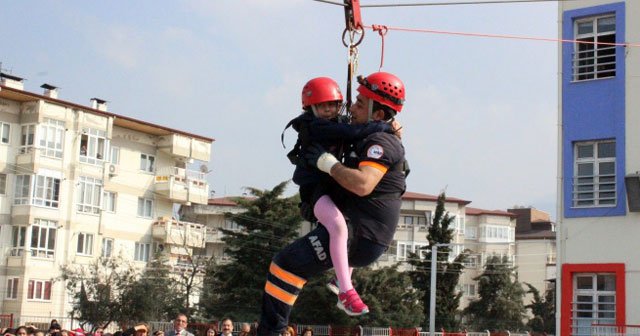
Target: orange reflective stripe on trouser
<point x="287" y="277"/>
<point x="280" y="293"/>
<point x="375" y="165"/>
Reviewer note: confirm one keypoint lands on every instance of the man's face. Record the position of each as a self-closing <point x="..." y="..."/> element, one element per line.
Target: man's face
<point x="360" y="110"/>
<point x="227" y="327"/>
<point x="180" y="323"/>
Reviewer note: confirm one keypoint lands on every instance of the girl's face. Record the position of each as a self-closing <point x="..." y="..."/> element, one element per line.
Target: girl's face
<point x="286" y="333"/>
<point x="327" y="110"/>
<point x="307" y="333"/>
<point x="211" y="332"/>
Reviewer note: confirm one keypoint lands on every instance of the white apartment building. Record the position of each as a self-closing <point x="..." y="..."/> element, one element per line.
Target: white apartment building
<point x="598" y="165"/>
<point x="78" y="182"/>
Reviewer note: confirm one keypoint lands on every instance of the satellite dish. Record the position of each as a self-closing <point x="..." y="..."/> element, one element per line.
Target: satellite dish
<point x="204" y="169"/>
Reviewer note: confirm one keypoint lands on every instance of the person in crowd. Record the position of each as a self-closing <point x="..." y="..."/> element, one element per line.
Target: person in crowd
<point x="226" y="327"/>
<point x="307" y="332"/>
<point x="99" y="332"/>
<point x="180" y="326"/>
<point x="21" y="331"/>
<point x="288" y="331"/>
<point x="211" y="332"/>
<point x="140" y="329"/>
<point x="158" y="333"/>
<point x="245" y="329"/>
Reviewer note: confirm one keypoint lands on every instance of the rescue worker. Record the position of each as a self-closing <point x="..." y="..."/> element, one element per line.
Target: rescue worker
<point x="321" y="102"/>
<point x="373" y="179"/>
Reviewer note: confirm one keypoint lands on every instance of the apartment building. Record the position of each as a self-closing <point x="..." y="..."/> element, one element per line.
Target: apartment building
<point x="78" y="182"/>
<point x="535" y="249"/>
<point x="599" y="160"/>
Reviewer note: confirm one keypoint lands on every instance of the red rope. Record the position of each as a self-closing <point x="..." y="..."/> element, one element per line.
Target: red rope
<point x="432" y="31"/>
<point x="382" y="31"/>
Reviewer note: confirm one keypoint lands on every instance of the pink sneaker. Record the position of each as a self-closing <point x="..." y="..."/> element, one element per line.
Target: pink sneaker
<point x="351" y="303"/>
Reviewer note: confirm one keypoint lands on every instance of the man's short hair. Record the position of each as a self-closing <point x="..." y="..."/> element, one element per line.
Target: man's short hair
<point x="389" y="113"/>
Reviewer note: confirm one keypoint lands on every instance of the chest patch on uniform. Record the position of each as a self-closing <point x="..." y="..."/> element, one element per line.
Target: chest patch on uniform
<point x="375" y="152"/>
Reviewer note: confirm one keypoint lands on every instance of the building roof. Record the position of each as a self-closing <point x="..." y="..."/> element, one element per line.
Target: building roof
<point x="543" y="234"/>
<point x="479" y="212"/>
<point x="119" y="120"/>
<point x="413" y="196"/>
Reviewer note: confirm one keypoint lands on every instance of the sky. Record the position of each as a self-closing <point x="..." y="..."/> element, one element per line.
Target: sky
<point x="480" y="117"/>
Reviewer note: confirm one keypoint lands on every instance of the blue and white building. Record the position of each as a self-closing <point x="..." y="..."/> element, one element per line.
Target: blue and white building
<point x="599" y="156"/>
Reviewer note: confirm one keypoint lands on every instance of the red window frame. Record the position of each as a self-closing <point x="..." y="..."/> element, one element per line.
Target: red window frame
<point x="569" y="270"/>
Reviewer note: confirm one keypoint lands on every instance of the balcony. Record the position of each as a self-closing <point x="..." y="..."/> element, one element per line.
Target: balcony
<point x="181" y="185"/>
<point x="180" y="146"/>
<point x="172" y="232"/>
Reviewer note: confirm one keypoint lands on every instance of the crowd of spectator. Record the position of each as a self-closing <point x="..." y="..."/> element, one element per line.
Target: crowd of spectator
<point x="179" y="328"/>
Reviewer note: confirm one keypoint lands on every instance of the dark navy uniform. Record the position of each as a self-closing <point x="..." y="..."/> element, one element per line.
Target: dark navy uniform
<point x="373" y="218"/>
<point x="330" y="134"/>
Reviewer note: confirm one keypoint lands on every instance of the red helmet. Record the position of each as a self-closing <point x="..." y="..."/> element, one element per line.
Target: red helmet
<point x="320" y="90"/>
<point x="383" y="87"/>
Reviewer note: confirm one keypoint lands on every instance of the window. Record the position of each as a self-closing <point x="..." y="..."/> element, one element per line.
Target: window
<point x="115" y="155"/>
<point x="5" y="130"/>
<point x="85" y="244"/>
<point x="592" y="60"/>
<point x="39" y="290"/>
<point x="18" y="240"/>
<point x="409" y="221"/>
<point x="471" y="232"/>
<point x="23" y="185"/>
<point x="469" y="289"/>
<point x="43" y="238"/>
<point x="109" y="201"/>
<point x="145" y="207"/>
<point x="12" y="289"/>
<point x="230" y="224"/>
<point x="51" y="137"/>
<point x="594" y="181"/>
<point x="93" y="146"/>
<point x="3" y="184"/>
<point x="142" y="252"/>
<point x="89" y="193"/>
<point x="594" y="301"/>
<point x="107" y="247"/>
<point x="147" y="163"/>
<point x="46" y="191"/>
<point x="471" y="261"/>
<point x="402" y="251"/>
<point x="27" y="137"/>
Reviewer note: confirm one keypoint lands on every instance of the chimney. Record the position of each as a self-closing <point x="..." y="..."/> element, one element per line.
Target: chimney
<point x="11" y="81"/>
<point x="50" y="90"/>
<point x="99" y="104"/>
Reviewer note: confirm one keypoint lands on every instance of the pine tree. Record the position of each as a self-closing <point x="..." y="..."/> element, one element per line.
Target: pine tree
<point x="448" y="273"/>
<point x="543" y="310"/>
<point x="500" y="306"/>
<point x="269" y="223"/>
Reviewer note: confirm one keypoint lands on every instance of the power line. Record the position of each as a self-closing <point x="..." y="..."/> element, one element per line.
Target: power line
<point x="423" y="4"/>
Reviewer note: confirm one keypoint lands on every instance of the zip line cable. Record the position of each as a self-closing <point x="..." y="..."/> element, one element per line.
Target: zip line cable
<point x="422" y="4"/>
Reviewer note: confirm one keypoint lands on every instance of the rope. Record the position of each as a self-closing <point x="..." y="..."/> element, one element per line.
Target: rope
<point x="515" y="37"/>
<point x="382" y="31"/>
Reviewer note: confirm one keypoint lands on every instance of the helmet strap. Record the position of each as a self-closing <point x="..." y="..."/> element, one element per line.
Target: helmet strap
<point x="370" y="110"/>
<point x="315" y="110"/>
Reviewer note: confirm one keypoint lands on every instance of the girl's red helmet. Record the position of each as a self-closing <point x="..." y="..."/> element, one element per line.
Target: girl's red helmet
<point x="320" y="90"/>
<point x="383" y="87"/>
